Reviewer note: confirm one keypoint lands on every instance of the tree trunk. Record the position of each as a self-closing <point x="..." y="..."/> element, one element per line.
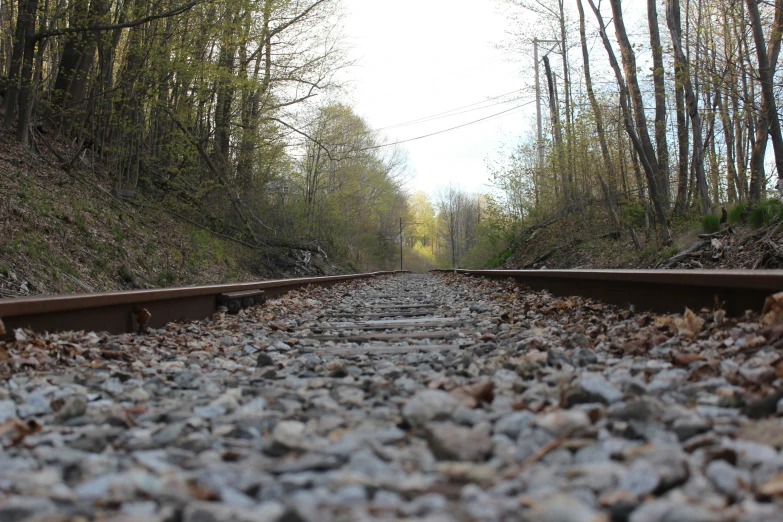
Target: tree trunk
<point x="732" y="179"/>
<point x="599" y="124"/>
<point x="660" y="104"/>
<point x="77" y="58"/>
<point x="649" y="171"/>
<point x="767" y="61"/>
<point x="556" y="131"/>
<point x="26" y="76"/>
<point x="635" y="95"/>
<point x="692" y="103"/>
<point x="12" y="96"/>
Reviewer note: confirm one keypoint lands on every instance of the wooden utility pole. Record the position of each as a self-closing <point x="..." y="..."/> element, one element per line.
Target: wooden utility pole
<point x="539" y="129"/>
<point x="400" y="244"/>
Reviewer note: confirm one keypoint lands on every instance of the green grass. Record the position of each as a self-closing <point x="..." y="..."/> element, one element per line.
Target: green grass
<point x="766" y="213"/>
<point x="500" y="258"/>
<point x="634" y="215"/>
<point x="735" y="213"/>
<point x="710" y="223"/>
<point x="166" y="278"/>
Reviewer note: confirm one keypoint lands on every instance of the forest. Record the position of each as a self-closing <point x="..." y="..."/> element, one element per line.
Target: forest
<point x="231" y="116"/>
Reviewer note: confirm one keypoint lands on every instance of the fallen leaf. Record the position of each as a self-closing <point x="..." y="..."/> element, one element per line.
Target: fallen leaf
<point x="773" y="333"/>
<point x="690" y="324"/>
<point x="773" y="487"/>
<point x="765" y="431"/>
<point x="474" y="394"/>
<point x="18" y="429"/>
<point x="2" y="327"/>
<point x="684" y="359"/>
<point x="773" y="310"/>
<point x="142" y="316"/>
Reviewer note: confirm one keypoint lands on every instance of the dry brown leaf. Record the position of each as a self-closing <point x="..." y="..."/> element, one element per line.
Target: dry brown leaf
<point x="690" y="324"/>
<point x="766" y="431"/>
<point x="18" y="429"/>
<point x="142" y="316"/>
<point x="773" y="310"/>
<point x="474" y="394"/>
<point x="664" y="321"/>
<point x="684" y="359"/>
<point x="2" y="328"/>
<point x="773" y="487"/>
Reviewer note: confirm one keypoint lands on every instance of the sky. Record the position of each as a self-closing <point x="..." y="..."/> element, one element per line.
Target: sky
<point x="419" y="58"/>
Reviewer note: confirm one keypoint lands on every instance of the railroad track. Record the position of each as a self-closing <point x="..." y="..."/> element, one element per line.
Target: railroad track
<point x="440" y="396"/>
<point x="657" y="290"/>
<point x="119" y="312"/>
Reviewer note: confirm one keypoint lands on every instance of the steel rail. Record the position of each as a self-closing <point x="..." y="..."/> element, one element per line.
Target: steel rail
<point x="114" y="311"/>
<point x="654" y="290"/>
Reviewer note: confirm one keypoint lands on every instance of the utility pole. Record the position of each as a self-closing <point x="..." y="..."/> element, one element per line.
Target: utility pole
<point x="540" y="132"/>
<point x="400" y="244"/>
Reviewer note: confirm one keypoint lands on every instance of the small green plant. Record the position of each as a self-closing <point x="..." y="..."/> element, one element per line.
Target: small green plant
<point x="668" y="252"/>
<point x="634" y="215"/>
<point x="766" y="213"/>
<point x="166" y="278"/>
<point x="710" y="223"/>
<point x="736" y="212"/>
<point x="500" y="258"/>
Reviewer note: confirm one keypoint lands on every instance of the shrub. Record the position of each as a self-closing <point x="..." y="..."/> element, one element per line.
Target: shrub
<point x="766" y="213"/>
<point x="634" y="215"/>
<point x="500" y="258"/>
<point x="710" y="223"/>
<point x="735" y="213"/>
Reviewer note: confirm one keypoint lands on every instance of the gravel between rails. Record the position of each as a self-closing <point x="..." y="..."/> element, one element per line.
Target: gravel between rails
<point x="410" y="397"/>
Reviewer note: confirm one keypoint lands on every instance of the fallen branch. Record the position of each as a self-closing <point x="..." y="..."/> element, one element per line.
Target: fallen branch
<point x="538" y="455"/>
<point x="698" y="245"/>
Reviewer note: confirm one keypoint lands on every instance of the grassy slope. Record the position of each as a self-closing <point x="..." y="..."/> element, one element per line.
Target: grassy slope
<point x="63" y="232"/>
<point x="586" y="241"/>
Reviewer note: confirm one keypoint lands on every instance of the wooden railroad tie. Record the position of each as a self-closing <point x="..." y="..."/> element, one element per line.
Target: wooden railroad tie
<point x="236" y="301"/>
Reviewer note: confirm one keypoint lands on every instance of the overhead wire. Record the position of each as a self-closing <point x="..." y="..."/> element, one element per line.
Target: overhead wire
<point x="432" y="116"/>
<point x="445" y="130"/>
<point x="445" y="114"/>
<point x="450" y="114"/>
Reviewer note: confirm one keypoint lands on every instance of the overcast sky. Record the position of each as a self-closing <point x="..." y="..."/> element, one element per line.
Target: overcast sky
<point x="418" y="58"/>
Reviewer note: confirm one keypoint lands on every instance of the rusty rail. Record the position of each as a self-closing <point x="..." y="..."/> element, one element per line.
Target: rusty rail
<point x="655" y="290"/>
<point x="114" y="311"/>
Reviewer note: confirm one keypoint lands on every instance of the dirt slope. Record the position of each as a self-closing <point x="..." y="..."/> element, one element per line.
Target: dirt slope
<point x="63" y="231"/>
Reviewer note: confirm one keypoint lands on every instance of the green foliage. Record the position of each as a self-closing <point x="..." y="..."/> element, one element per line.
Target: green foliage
<point x="710" y="223"/>
<point x="166" y="278"/>
<point x="766" y="213"/>
<point x="735" y="213"/>
<point x="500" y="258"/>
<point x="634" y="215"/>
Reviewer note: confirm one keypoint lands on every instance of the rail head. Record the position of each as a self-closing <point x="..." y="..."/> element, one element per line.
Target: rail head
<point x="655" y="290"/>
<point x="113" y="311"/>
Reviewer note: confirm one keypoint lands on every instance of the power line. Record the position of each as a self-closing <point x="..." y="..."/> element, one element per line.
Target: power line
<point x="447" y="112"/>
<point x="445" y="130"/>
